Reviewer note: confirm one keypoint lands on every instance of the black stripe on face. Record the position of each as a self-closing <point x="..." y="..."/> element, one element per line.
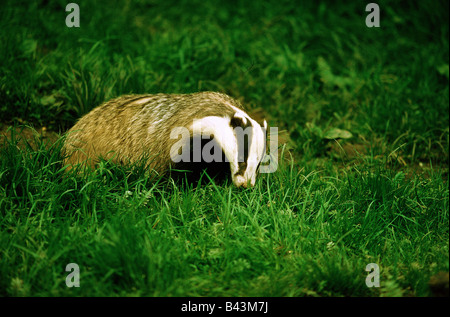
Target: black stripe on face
<point x="244" y="135"/>
<point x="242" y="167"/>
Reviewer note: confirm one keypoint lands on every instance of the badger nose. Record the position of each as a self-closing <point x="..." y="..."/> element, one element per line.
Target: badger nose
<point x="241" y="181"/>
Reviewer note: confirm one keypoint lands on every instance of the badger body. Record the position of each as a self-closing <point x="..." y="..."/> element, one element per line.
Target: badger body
<point x="130" y="127"/>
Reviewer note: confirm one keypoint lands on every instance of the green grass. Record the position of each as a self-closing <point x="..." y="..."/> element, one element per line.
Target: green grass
<point x="309" y="229"/>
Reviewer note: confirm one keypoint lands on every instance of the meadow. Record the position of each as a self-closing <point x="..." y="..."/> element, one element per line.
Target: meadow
<point x="363" y="172"/>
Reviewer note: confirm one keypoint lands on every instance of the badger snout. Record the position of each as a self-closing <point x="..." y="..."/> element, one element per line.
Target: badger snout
<point x="241" y="181"/>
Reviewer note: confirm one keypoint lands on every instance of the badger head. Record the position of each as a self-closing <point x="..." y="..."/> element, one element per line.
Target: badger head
<point x="240" y="138"/>
<point x="250" y="147"/>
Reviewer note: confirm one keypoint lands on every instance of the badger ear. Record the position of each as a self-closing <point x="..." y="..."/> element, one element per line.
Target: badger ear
<point x="265" y="124"/>
<point x="238" y="120"/>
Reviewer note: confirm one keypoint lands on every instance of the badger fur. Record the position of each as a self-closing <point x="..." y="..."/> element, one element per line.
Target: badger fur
<point x="127" y="128"/>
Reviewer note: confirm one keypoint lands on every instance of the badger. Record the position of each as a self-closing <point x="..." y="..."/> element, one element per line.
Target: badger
<point x="130" y="127"/>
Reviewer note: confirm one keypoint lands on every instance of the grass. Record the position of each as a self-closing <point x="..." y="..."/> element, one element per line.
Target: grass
<point x="365" y="109"/>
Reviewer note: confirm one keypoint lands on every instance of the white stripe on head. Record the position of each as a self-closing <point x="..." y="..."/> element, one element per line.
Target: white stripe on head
<point x="256" y="153"/>
<point x="223" y="135"/>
